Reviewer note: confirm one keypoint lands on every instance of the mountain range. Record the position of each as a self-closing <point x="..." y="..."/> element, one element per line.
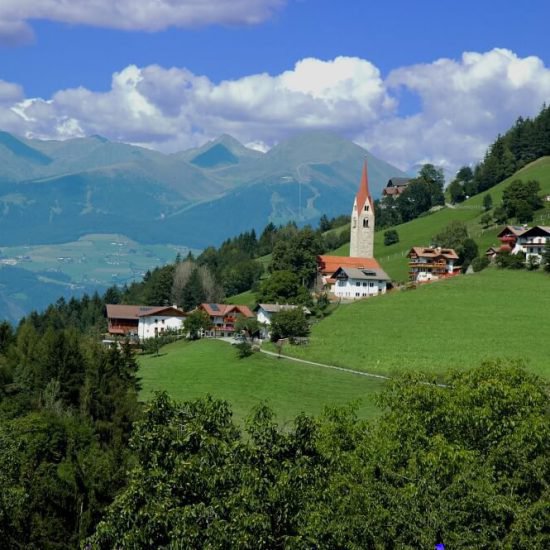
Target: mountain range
<point x="58" y="191"/>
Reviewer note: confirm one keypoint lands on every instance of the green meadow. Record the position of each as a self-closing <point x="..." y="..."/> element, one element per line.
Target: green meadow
<point x="452" y="324"/>
<point x="187" y="370"/>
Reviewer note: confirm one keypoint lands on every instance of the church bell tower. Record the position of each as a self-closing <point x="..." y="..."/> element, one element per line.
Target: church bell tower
<point x="362" y="221"/>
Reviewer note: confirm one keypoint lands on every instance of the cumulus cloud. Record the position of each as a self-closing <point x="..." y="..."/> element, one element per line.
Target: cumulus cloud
<point x="147" y="15"/>
<point x="465" y="103"/>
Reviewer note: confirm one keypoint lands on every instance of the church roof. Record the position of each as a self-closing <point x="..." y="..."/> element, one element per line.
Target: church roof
<point x="361" y="274"/>
<point x="329" y="264"/>
<point x="363" y="194"/>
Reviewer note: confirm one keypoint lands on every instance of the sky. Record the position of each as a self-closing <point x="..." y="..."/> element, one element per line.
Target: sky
<point x="414" y="82"/>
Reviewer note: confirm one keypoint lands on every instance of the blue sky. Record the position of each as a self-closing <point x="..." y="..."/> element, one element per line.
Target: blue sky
<point x="394" y="77"/>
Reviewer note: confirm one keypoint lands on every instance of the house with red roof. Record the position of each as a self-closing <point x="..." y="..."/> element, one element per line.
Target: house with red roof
<point x="224" y="317"/>
<point x="431" y="263"/>
<point x="143" y="321"/>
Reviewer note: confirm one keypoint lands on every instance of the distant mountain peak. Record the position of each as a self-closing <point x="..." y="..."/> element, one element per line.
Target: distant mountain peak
<point x="97" y="137"/>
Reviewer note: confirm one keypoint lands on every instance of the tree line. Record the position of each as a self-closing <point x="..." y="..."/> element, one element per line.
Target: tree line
<point x="525" y="142"/>
<point x="463" y="464"/>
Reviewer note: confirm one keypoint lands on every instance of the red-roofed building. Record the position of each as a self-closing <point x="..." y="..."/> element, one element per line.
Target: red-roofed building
<point x="143" y="321"/>
<point x="224" y="317"/>
<point x="428" y="264"/>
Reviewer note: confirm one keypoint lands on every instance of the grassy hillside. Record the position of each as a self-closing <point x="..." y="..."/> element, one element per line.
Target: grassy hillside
<point x="419" y="232"/>
<point x="192" y="369"/>
<point x="445" y="325"/>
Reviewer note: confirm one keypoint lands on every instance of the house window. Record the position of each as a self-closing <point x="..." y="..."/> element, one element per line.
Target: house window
<point x="357" y="294"/>
<point x="365" y="223"/>
<point x="364" y="284"/>
<point x="366" y="207"/>
<point x="371" y="284"/>
<point x="358" y="284"/>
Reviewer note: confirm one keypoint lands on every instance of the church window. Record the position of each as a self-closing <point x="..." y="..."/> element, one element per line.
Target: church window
<point x="366" y="207"/>
<point x="365" y="222"/>
<point x="354" y="223"/>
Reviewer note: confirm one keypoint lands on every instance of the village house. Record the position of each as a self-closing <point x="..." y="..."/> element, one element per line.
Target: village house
<point x="265" y="312"/>
<point x="224" y="317"/>
<point x="509" y="237"/>
<point x="395" y="187"/>
<point x="143" y="321"/>
<point x="428" y="264"/>
<point x="532" y="242"/>
<point x="362" y="225"/>
<point x="351" y="283"/>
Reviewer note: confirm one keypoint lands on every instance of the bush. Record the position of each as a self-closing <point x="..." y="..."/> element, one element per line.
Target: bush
<point x="505" y="260"/>
<point x="244" y="349"/>
<point x="391" y="236"/>
<point x="480" y="263"/>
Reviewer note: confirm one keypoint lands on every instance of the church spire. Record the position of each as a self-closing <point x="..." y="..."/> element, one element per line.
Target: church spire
<point x="363" y="194"/>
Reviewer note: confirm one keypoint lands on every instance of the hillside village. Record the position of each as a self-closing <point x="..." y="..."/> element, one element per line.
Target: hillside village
<point x="341" y="279"/>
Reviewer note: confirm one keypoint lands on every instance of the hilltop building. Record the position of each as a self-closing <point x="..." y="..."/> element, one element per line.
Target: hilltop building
<point x="360" y="269"/>
<point x="395" y="187"/>
<point x="143" y="321"/>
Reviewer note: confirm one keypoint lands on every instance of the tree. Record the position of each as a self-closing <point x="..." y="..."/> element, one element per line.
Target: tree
<point x="193" y="292"/>
<point x="487" y="202"/>
<point x="456" y="191"/>
<point x="298" y="254"/>
<point x="391" y="236"/>
<point x="195" y="323"/>
<point x="289" y="323"/>
<point x="521" y="198"/>
<point x="480" y="263"/>
<point x="506" y="260"/>
<point x="415" y="200"/>
<point x="249" y="325"/>
<point x="324" y="223"/>
<point x="281" y="287"/>
<point x="486" y="220"/>
<point x="523" y="211"/>
<point x="435" y="180"/>
<point x="500" y="215"/>
<point x="452" y="235"/>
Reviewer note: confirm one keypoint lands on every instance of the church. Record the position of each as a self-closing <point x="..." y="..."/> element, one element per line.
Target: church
<point x="359" y="275"/>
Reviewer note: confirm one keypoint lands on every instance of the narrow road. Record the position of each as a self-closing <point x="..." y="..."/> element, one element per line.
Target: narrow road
<point x="322" y="365"/>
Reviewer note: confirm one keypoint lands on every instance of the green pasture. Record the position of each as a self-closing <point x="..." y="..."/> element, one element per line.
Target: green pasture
<point x="452" y="324"/>
<point x="187" y="370"/>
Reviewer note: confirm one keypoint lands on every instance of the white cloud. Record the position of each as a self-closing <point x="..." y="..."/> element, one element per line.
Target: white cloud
<point x="465" y="104"/>
<point x="147" y="15"/>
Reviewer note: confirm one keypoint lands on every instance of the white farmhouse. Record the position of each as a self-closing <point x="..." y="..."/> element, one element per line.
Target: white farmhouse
<point x="532" y="242"/>
<point x="351" y="283"/>
<point x="265" y="312"/>
<point x="143" y="321"/>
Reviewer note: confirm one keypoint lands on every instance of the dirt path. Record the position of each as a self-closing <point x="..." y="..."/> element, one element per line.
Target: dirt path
<point x="322" y="365"/>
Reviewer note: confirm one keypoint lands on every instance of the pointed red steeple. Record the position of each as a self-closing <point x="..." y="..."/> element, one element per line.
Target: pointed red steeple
<point x="363" y="194"/>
